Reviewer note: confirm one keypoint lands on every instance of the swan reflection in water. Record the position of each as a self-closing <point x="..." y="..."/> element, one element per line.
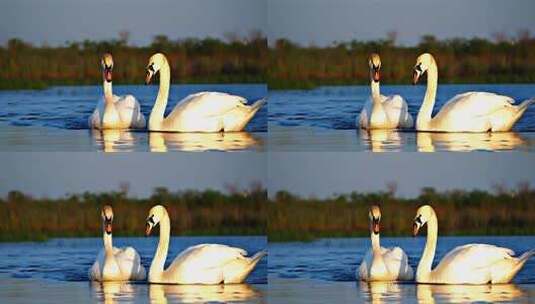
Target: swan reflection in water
<point x="389" y="292"/>
<point x="495" y="141"/>
<point x="113" y="292"/>
<point x="164" y="141"/>
<point x="491" y="293"/>
<point x="159" y="293"/>
<point x="126" y="141"/>
<point x="114" y="140"/>
<point x="381" y="140"/>
<point x="381" y="292"/>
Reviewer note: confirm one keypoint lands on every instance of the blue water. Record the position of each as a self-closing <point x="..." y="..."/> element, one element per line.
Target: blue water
<point x="70" y="259"/>
<point x="336" y="260"/>
<point x="69" y="107"/>
<point x="337" y="107"/>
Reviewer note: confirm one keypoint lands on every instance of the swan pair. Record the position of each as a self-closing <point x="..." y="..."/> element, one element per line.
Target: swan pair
<point x="199" y="112"/>
<point x="467" y="112"/>
<point x="200" y="264"/>
<point x="467" y="264"/>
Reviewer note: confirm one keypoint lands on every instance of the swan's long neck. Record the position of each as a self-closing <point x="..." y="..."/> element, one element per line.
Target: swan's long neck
<point x="108" y="92"/>
<point x="376" y="92"/>
<point x="108" y="244"/>
<point x="424" y="115"/>
<point x="156" y="267"/>
<point x="158" y="110"/>
<point x="376" y="245"/>
<point x="424" y="267"/>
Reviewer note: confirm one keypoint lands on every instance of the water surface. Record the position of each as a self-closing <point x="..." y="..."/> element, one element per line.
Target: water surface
<point x="56" y="271"/>
<point x="323" y="119"/>
<point x="56" y="120"/>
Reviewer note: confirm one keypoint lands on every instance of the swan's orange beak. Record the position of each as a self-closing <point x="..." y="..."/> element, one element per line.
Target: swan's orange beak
<point x="107" y="74"/>
<point x="376" y="227"/>
<point x="415" y="77"/>
<point x="107" y="227"/>
<point x="415" y="229"/>
<point x="148" y="78"/>
<point x="148" y="229"/>
<point x="376" y="75"/>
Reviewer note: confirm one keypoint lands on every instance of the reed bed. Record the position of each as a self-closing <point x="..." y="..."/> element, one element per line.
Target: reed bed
<point x="283" y="64"/>
<point x="192" y="213"/>
<point x="293" y="218"/>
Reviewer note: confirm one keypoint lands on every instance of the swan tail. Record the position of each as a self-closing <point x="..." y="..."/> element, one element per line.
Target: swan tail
<point x="507" y="276"/>
<point x="528" y="254"/>
<point x="247" y="113"/>
<point x="237" y="272"/>
<point x="526" y="103"/>
<point x="506" y="124"/>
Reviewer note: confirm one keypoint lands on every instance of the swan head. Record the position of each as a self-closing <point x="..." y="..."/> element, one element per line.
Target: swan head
<point x="156" y="214"/>
<point x="107" y="66"/>
<point x="423" y="214"/>
<point x="375" y="219"/>
<point x="107" y="218"/>
<point x="423" y="62"/>
<point x="374" y="63"/>
<point x="156" y="62"/>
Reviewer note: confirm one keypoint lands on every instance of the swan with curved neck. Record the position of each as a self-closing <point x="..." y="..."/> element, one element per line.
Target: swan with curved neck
<point x="112" y="111"/>
<point x="467" y="112"/>
<point x="382" y="112"/>
<point x="200" y="264"/>
<point x="383" y="264"/>
<point x="468" y="264"/>
<point x="115" y="264"/>
<point x="199" y="112"/>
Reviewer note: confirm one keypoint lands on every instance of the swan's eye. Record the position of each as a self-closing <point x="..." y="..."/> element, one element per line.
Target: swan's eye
<point x="418" y="67"/>
<point x="151" y="219"/>
<point x="151" y="67"/>
<point x="418" y="219"/>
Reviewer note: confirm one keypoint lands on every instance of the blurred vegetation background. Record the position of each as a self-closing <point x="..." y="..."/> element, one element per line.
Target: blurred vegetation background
<point x="192" y="60"/>
<point x="503" y="211"/>
<point x="240" y="212"/>
<point x="283" y="64"/>
<point x="285" y="217"/>
<point x="501" y="60"/>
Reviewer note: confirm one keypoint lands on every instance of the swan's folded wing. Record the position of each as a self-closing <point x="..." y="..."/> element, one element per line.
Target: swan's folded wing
<point x="94" y="272"/>
<point x="477" y="104"/>
<point x="129" y="262"/>
<point x="474" y="257"/>
<point x="396" y="260"/>
<point x="206" y="256"/>
<point x="394" y="101"/>
<point x="209" y="104"/>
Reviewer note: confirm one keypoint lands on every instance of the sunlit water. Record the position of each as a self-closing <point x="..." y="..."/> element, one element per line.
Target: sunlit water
<point x="325" y="270"/>
<point x="56" y="271"/>
<point x="324" y="119"/>
<point x="56" y="120"/>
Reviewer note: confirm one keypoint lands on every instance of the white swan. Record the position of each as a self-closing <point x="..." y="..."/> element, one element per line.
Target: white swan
<point x="467" y="112"/>
<point x="115" y="264"/>
<point x="200" y="112"/>
<point x="383" y="264"/>
<point x="383" y="112"/>
<point x="468" y="264"/>
<point x="112" y="111"/>
<point x="200" y="264"/>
